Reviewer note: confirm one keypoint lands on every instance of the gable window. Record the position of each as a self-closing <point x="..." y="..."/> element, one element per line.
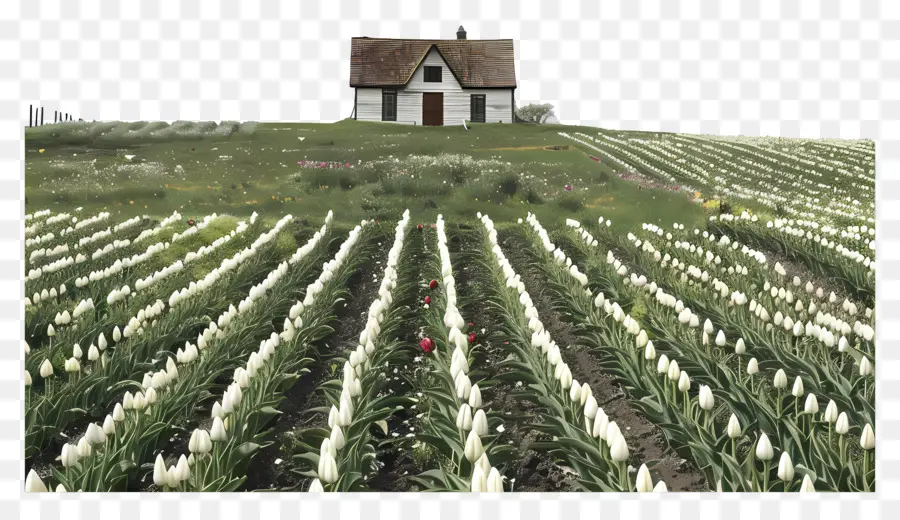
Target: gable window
<point x="477" y="108"/>
<point x="388" y="105"/>
<point x="433" y="74"/>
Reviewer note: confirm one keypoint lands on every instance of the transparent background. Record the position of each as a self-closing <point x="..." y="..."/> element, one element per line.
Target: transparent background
<point x="792" y="68"/>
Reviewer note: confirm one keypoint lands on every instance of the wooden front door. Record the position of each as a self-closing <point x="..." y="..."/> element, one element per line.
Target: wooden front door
<point x="433" y="108"/>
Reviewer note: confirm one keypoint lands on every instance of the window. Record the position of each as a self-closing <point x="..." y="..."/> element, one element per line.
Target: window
<point x="433" y="74"/>
<point x="477" y="115"/>
<point x="388" y="105"/>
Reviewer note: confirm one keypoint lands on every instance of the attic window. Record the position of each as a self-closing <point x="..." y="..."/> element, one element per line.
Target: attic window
<point x="433" y="74"/>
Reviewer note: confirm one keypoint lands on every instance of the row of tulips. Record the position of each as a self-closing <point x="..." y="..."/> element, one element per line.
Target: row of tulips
<point x="250" y="402"/>
<point x="457" y="422"/>
<point x="77" y="229"/>
<point x="97" y="382"/>
<point x="141" y="420"/>
<point x="789" y="345"/>
<point x="118" y="311"/>
<point x="661" y="389"/>
<point x="761" y="273"/>
<point x="780" y="301"/>
<point x="347" y="456"/>
<point x="759" y="404"/>
<point x="855" y="274"/>
<point x="582" y="433"/>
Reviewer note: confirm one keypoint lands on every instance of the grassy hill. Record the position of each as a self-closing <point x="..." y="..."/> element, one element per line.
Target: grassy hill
<point x="501" y="169"/>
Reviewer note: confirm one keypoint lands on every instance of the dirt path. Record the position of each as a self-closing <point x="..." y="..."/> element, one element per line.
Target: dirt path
<point x="645" y="440"/>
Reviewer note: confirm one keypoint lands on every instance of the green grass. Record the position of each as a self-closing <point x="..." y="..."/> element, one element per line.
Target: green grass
<point x="199" y="169"/>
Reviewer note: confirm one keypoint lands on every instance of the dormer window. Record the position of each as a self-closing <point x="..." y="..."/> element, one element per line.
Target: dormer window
<point x="433" y="74"/>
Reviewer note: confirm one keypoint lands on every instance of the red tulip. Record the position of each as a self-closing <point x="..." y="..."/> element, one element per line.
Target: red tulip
<point x="472" y="337"/>
<point x="433" y="284"/>
<point x="427" y="345"/>
<point x="419" y="227"/>
<point x="471" y="324"/>
<point x="428" y="300"/>
<point x="190" y="222"/>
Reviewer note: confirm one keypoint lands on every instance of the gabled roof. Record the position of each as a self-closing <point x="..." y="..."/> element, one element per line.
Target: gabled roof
<point x="382" y="62"/>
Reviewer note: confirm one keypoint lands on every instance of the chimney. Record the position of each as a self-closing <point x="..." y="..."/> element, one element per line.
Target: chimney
<point x="460" y="33"/>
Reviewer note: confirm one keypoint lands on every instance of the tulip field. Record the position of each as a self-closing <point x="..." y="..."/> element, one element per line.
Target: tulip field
<point x="423" y="350"/>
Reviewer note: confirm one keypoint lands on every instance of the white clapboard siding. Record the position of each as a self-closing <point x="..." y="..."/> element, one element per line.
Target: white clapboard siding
<point x="457" y="100"/>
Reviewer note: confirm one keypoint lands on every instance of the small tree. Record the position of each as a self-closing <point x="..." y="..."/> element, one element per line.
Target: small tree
<point x="534" y="113"/>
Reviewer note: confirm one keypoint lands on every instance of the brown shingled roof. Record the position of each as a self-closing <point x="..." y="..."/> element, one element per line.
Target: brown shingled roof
<point x="378" y="62"/>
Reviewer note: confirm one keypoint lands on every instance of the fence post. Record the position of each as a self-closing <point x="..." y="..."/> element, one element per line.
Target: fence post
<point x="30" y="114"/>
<point x="55" y="116"/>
<point x="42" y="116"/>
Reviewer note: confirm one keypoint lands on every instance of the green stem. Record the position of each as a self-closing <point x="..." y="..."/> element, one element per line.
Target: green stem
<point x="733" y="449"/>
<point x="865" y="475"/>
<point x="765" y="477"/>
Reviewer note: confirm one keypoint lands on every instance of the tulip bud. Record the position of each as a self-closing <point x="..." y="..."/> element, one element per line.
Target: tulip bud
<point x="590" y="407"/>
<point x="475" y="397"/>
<point x="660" y="487"/>
<point x="753" y="367"/>
<point x="464" y="418"/>
<point x="619" y="449"/>
<point x="865" y="367"/>
<point x="473" y="448"/>
<point x="812" y="404"/>
<point x="785" y="467"/>
<point x="831" y="412"/>
<point x="643" y="483"/>
<point x="798" y="387"/>
<point x="159" y="471"/>
<point x="707" y="401"/>
<point x="494" y="481"/>
<point x="642" y="339"/>
<point x="764" y="450"/>
<point x="480" y="424"/>
<point x="217" y="433"/>
<point x="649" y="351"/>
<point x="575" y="391"/>
<point x="328" y="472"/>
<point x="720" y="339"/>
<point x="484" y="463"/>
<point x="46" y="369"/>
<point x="662" y="367"/>
<point x="842" y="425"/>
<point x="684" y="382"/>
<point x="337" y="438"/>
<point x="807" y="485"/>
<point x="674" y="372"/>
<point x="867" y="439"/>
<point x="316" y="486"/>
<point x="734" y="427"/>
<point x="780" y="381"/>
<point x="479" y="481"/>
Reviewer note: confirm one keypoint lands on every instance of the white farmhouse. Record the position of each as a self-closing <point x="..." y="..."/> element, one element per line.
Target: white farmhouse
<point x="433" y="82"/>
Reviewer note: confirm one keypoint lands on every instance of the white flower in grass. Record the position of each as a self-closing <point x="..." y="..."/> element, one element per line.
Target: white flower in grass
<point x="797" y="391"/>
<point x="473" y="449"/>
<point x="865" y="367"/>
<point x="159" y="471"/>
<point x="662" y="366"/>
